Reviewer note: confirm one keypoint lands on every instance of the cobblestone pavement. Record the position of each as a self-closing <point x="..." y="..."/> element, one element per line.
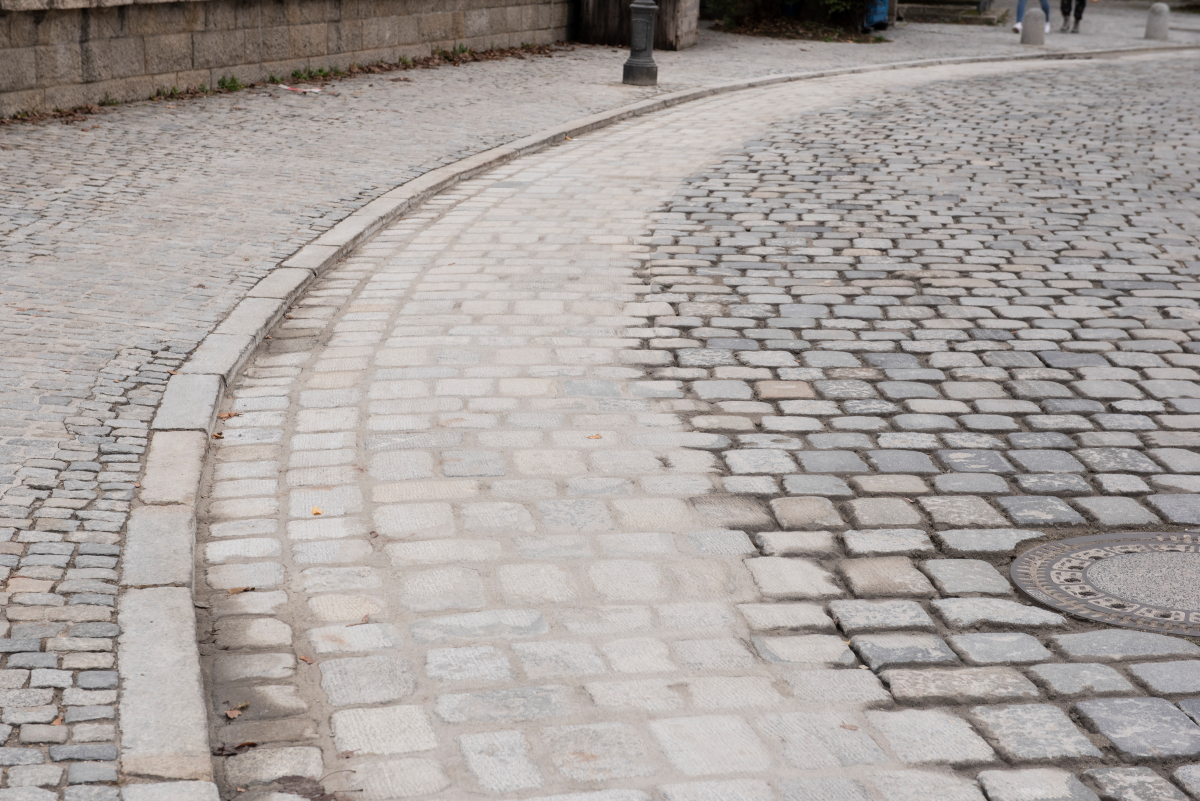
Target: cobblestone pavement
<point x="150" y="242"/>
<point x="666" y="464"/>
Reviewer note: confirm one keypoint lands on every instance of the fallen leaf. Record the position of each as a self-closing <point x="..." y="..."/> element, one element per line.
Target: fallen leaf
<point x="233" y="714"/>
<point x="288" y="317"/>
<point x="374" y="534"/>
<point x="595" y="436"/>
<point x="306" y="660"/>
<point x="346" y="754"/>
<point x="849" y="727"/>
<point x="136" y="484"/>
<point x="57" y="721"/>
<point x="366" y="619"/>
<point x="218" y="435"/>
<point x="227" y="415"/>
<point x="317" y="510"/>
<point x="569" y="139"/>
<point x="237" y="590"/>
<point x="173" y="372"/>
<point x="268" y="336"/>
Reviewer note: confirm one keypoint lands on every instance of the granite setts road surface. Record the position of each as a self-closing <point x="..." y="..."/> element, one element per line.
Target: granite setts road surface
<point x="150" y="244"/>
<point x="686" y="460"/>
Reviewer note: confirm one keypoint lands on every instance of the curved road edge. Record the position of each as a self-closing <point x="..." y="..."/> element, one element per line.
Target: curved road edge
<point x="162" y="711"/>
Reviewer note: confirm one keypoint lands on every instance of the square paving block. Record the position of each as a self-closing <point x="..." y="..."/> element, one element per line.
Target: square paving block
<point x="1033" y="732"/>
<point x="832" y="462"/>
<point x="1043" y="784"/>
<point x="1040" y="511"/>
<point x="1189" y="777"/>
<point x="1122" y="644"/>
<point x="970" y="483"/>
<point x="826" y="486"/>
<point x="855" y="687"/>
<point x="975" y="461"/>
<point x="959" y="685"/>
<point x="881" y="651"/>
<point x="1133" y="784"/>
<point x="1054" y="484"/>
<point x="1035" y="460"/>
<point x="832" y="788"/>
<point x="1143" y="727"/>
<point x="887" y="541"/>
<point x="962" y="512"/>
<point x="871" y="512"/>
<point x="791" y="578"/>
<point x="898" y="461"/>
<point x="930" y="737"/>
<point x="890" y="485"/>
<point x="962" y="613"/>
<point x="797" y="543"/>
<point x="963" y="576"/>
<point x="993" y="649"/>
<point x="1179" y="509"/>
<point x="885" y="576"/>
<point x="820" y="740"/>
<point x="922" y="785"/>
<point x="1117" y="511"/>
<point x="712" y="744"/>
<point x="725" y="511"/>
<point x="807" y="514"/>
<point x="859" y="616"/>
<point x="1082" y="679"/>
<point x="1169" y="678"/>
<point x="805" y="649"/>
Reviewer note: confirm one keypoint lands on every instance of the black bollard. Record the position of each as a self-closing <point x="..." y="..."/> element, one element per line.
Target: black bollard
<point x="640" y="69"/>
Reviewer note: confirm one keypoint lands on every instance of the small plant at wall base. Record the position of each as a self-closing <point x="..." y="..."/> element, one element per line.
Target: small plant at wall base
<point x="230" y="84"/>
<point x="109" y="101"/>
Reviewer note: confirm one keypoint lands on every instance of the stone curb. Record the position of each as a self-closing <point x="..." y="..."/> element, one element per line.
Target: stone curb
<point x="163" y="715"/>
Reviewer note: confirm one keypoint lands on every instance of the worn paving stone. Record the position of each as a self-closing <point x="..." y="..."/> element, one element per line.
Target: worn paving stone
<point x="1051" y="784"/>
<point x="1082" y="679"/>
<point x="1033" y="732"/>
<point x="924" y="737"/>
<point x="1132" y="784"/>
<point x="1121" y="644"/>
<point x="958" y="685"/>
<point x="881" y="651"/>
<point x="1143" y="727"/>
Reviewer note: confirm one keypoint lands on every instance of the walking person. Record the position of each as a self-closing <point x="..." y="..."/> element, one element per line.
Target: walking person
<point x="1045" y="10"/>
<point x="1066" y="12"/>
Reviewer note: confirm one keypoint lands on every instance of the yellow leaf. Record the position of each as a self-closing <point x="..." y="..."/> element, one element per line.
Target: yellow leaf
<point x="317" y="510"/>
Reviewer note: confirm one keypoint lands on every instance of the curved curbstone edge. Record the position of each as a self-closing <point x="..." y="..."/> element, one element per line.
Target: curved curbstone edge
<point x="163" y="715"/>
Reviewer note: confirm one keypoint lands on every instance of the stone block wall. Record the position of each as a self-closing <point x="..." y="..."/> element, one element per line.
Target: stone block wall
<point x="65" y="53"/>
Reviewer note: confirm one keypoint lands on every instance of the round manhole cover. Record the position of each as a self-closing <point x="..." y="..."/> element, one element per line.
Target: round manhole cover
<point x="1145" y="581"/>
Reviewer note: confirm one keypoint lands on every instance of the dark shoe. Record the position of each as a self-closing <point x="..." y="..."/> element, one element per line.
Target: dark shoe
<point x="1066" y="26"/>
<point x="1075" y="29"/>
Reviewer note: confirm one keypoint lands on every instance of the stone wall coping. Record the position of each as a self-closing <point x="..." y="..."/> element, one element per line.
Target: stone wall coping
<point x="171" y="485"/>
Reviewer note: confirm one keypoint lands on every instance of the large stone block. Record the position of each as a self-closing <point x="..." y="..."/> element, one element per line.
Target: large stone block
<point x="55" y="27"/>
<point x="308" y="41"/>
<point x="217" y="49"/>
<point x="20" y="70"/>
<point x="169" y="53"/>
<point x="106" y="59"/>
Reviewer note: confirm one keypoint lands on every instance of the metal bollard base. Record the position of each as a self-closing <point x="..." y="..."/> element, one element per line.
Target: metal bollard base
<point x="640" y="74"/>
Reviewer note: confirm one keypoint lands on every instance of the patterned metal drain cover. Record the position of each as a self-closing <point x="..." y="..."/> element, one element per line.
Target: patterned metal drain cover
<point x="1144" y="580"/>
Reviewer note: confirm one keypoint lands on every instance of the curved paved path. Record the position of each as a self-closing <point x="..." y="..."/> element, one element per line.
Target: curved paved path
<point x="685" y="460"/>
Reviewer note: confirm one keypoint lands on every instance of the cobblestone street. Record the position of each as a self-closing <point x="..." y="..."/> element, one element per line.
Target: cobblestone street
<point x="686" y="461"/>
